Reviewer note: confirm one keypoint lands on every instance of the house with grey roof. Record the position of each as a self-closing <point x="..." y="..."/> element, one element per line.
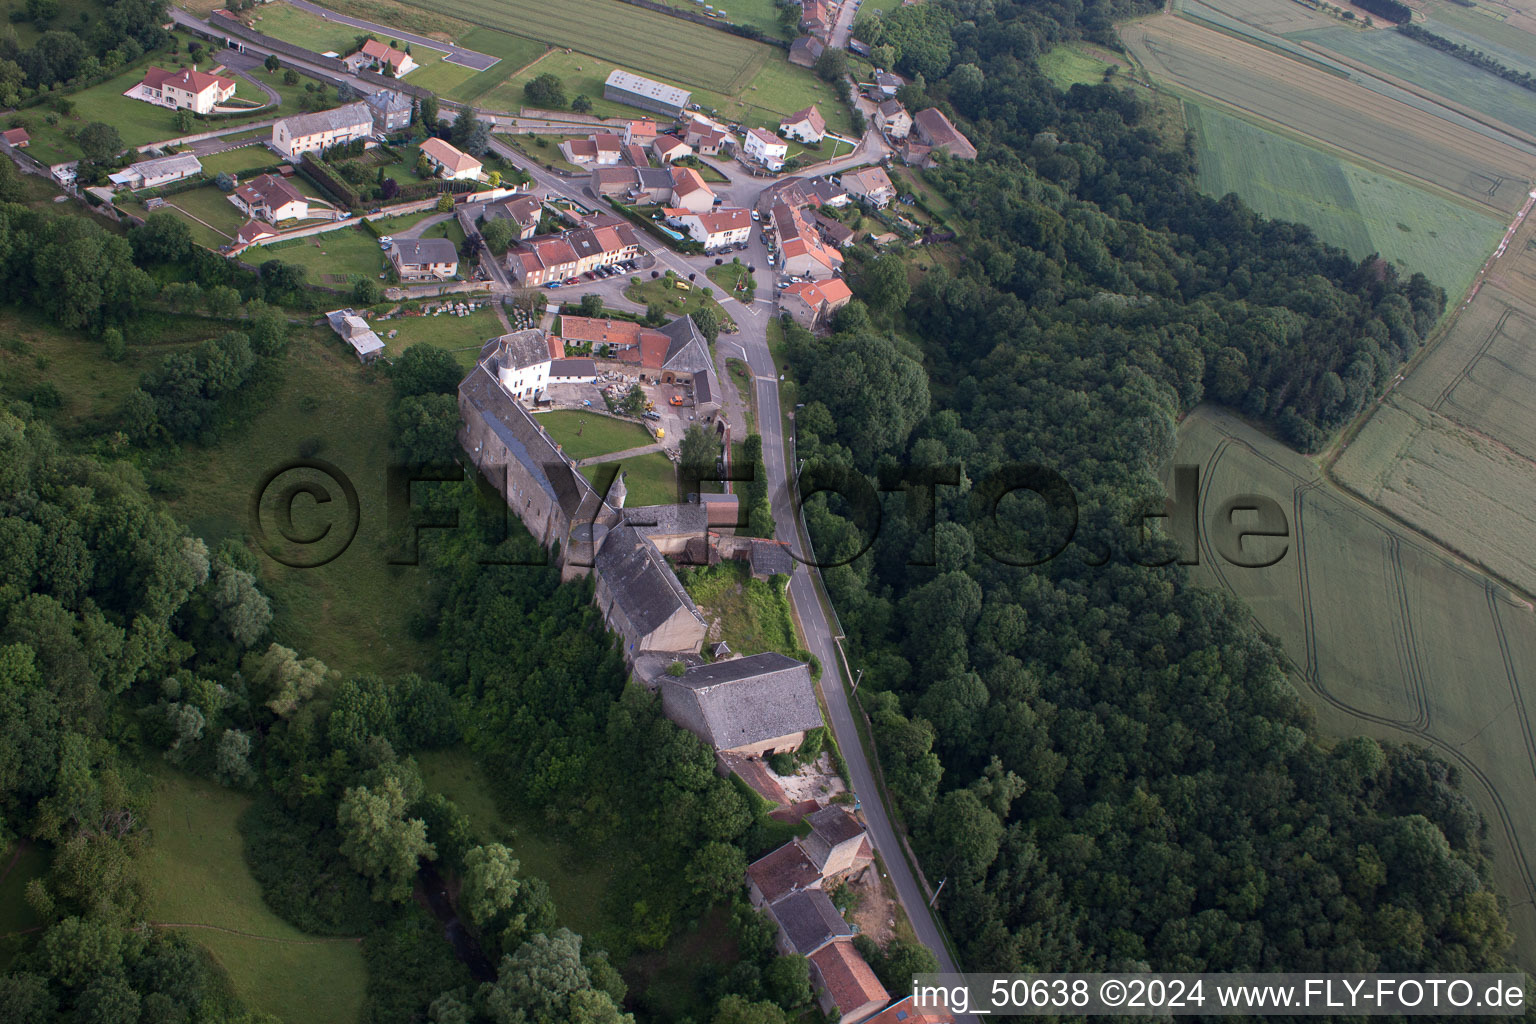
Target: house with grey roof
<point x="753" y="706"/>
<point x="315" y="133"/>
<point x="354" y="330"/>
<point x="835" y="842"/>
<point x="641" y="598"/>
<point x="807" y="920"/>
<point x="769" y="558"/>
<point x="424" y="259"/>
<point x="391" y="110"/>
<point x="159" y="171"/>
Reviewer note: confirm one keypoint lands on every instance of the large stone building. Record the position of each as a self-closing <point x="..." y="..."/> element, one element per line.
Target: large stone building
<point x="641" y="598"/>
<point x="751" y="706"/>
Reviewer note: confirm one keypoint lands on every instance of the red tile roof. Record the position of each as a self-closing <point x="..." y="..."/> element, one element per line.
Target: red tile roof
<point x="188" y="79"/>
<point x="384" y="52"/>
<point x="903" y="1012"/>
<point x="723" y="220"/>
<point x="846" y="977"/>
<point x="17" y="136"/>
<point x="686" y="180"/>
<point x="448" y="156"/>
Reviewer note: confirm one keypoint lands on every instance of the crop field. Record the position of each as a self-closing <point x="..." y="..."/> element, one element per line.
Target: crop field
<point x="1452" y="450"/>
<point x="1500" y="18"/>
<point x="1484" y="28"/>
<point x="653" y="43"/>
<point x="1388" y="636"/>
<point x="1341" y="114"/>
<point x="1439" y="73"/>
<point x="197" y="880"/>
<point x="1265" y="15"/>
<point x="1348" y="205"/>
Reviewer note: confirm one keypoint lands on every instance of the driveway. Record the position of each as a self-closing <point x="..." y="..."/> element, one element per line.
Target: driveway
<point x="842" y="27"/>
<point x="455" y="54"/>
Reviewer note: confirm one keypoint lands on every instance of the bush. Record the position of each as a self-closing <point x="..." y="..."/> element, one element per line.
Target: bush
<point x="782" y="763"/>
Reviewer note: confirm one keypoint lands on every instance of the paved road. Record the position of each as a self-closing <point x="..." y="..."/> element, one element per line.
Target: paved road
<point x="842" y="27"/>
<point x="314" y="70"/>
<point x="456" y="54"/>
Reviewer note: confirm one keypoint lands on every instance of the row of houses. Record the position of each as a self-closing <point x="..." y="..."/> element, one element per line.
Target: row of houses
<point x="601" y="241"/>
<point x="679" y="187"/>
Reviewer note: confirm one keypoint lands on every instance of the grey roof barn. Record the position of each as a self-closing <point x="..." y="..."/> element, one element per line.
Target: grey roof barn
<point x="808" y="920"/>
<point x="641" y="598"/>
<point x="755" y="704"/>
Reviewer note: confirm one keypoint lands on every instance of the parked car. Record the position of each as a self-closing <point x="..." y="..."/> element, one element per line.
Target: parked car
<point x="553" y="284"/>
<point x="756" y="215"/>
<point x="573" y="280"/>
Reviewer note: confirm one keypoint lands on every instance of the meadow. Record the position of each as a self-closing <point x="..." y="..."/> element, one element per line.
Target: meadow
<point x="333" y="259"/>
<point x="583" y="435"/>
<point x="461" y="336"/>
<point x="1439" y="73"/>
<point x="649" y="479"/>
<point x="1067" y="65"/>
<point x="195" y="874"/>
<point x="1359" y="209"/>
<point x="327" y="406"/>
<point x="1344" y="115"/>
<point x="300" y="27"/>
<point x="752" y="615"/>
<point x="653" y="43"/>
<point x="761" y="14"/>
<point x="1387" y="635"/>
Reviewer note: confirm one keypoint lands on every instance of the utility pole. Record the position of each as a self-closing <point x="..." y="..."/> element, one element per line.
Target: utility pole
<point x="937" y="891"/>
<point x="856" y="680"/>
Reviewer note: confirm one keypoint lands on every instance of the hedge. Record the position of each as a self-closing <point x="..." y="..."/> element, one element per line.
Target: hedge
<point x="329" y="183"/>
<point x="686" y="245"/>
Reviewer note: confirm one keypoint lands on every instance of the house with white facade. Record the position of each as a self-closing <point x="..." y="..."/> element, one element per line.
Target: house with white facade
<point x="187" y="89"/>
<point x="449" y="161"/>
<point x="765" y="147"/>
<point x="717" y="229"/>
<point x="804" y="125"/>
<point x="375" y="54"/>
<point x="270" y="198"/>
<point x="292" y="137"/>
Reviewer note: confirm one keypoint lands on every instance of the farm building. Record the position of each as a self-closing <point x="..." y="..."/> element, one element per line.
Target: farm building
<point x="160" y="171"/>
<point x="806" y="51"/>
<point x="624" y="87"/>
<point x="845" y="986"/>
<point x="641" y="599"/>
<point x="752" y="706"/>
<point x="354" y="330"/>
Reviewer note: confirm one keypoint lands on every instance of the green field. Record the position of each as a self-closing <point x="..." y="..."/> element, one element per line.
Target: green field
<point x="1346" y="204"/>
<point x="763" y="14"/>
<point x="196" y="877"/>
<point x="238" y="161"/>
<point x="733" y="279"/>
<point x="463" y="336"/>
<point x="1436" y="72"/>
<point x="1067" y="65"/>
<point x="327" y="404"/>
<point x="1480" y="29"/>
<point x="577" y="882"/>
<point x="1387" y="635"/>
<point x="649" y="479"/>
<point x="679" y="302"/>
<point x="581" y="435"/>
<point x="336" y="258"/>
<point x="654" y="43"/>
<point x="313" y="32"/>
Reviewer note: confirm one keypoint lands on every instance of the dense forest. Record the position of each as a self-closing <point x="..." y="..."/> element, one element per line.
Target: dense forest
<point x="1106" y="763"/>
<point x="96" y="43"/>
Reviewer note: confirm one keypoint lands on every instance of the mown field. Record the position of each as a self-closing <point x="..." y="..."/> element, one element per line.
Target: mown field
<point x="649" y="479"/>
<point x="197" y="880"/>
<point x="1348" y="205"/>
<point x="1428" y="68"/>
<point x="1388" y="636"/>
<point x="653" y="43"/>
<point x="1210" y="65"/>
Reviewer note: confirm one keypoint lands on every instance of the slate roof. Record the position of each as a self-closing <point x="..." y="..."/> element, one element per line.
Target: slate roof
<point x="572" y="368"/>
<point x="781" y="872"/>
<point x="675" y="518"/>
<point x="642" y="584"/>
<point x="809" y="920"/>
<point x="529" y="445"/>
<point x="522" y="349"/>
<point x="659" y="91"/>
<point x="388" y="101"/>
<point x="734" y="703"/>
<point x="939" y="132"/>
<point x="808" y="49"/>
<point x="351" y="115"/>
<point x="421" y="251"/>
<point x="835" y="825"/>
<point x="181" y="164"/>
<point x="771" y="557"/>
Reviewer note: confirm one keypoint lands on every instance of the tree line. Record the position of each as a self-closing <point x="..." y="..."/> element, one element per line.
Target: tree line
<point x="1107" y="763"/>
<point x="1477" y="58"/>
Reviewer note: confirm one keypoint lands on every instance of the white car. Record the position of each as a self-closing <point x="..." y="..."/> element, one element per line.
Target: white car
<point x="756" y="215"/>
<point x="771" y="260"/>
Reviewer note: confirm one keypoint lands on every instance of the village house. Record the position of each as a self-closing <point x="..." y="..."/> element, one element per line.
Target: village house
<point x="292" y="137"/>
<point x="546" y="258"/>
<point x="936" y="134"/>
<point x="391" y="111"/>
<point x="887" y="82"/>
<point x="160" y="171"/>
<point x="845" y="986"/>
<point x="708" y="139"/>
<point x="806" y="51"/>
<point x="639" y="132"/>
<point x="449" y="162"/>
<point x="636" y="184"/>
<point x="775" y="875"/>
<point x="354" y="330"/>
<point x="186" y="89"/>
<point x="523" y="211"/>
<point x="17" y="137"/>
<point x="835" y="233"/>
<point x="689" y="191"/>
<point x="905" y="1011"/>
<point x="801" y="192"/>
<point x="802" y="253"/>
<point x="870" y="186"/>
<point x="641" y="599"/>
<point x="424" y="259"/>
<point x="600" y="150"/>
<point x="812" y="303"/>
<point x="804" y="125"/>
<point x="677" y="353"/>
<point x="837" y="843"/>
<point x="766" y="148"/>
<point x="718" y="228"/>
<point x="270" y="198"/>
<point x="669" y="148"/>
<point x="750" y="706"/>
<point x="892" y="119"/>
<point x="815" y="18"/>
<point x="636" y="156"/>
<point x="572" y="371"/>
<point x="253" y="231"/>
<point x="375" y="54"/>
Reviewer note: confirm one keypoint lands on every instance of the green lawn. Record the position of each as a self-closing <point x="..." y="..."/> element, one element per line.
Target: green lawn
<point x="335" y="258"/>
<point x="516" y="52"/>
<point x="239" y="161"/>
<point x="733" y="280"/>
<point x="195" y="874"/>
<point x="463" y="336"/>
<point x="548" y="154"/>
<point x="584" y="434"/>
<point x="1067" y="65"/>
<point x="324" y="403"/>
<point x="650" y="479"/>
<point x="674" y="300"/>
<point x="762" y="14"/>
<point x="1360" y="209"/>
<point x="577" y="882"/>
<point x="753" y="614"/>
<point x="310" y="31"/>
